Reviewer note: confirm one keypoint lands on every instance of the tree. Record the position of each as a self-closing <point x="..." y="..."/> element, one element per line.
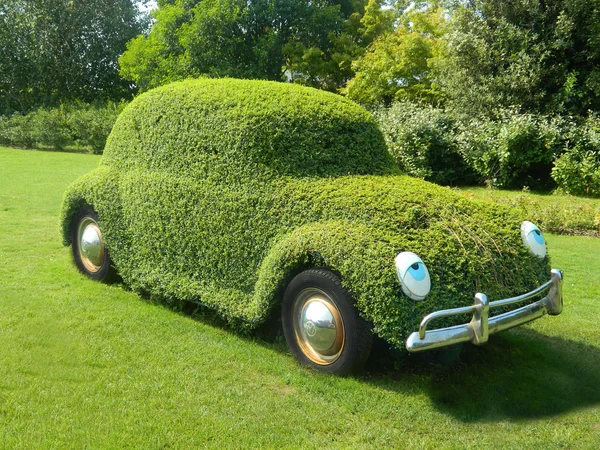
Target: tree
<point x="397" y="65"/>
<point x="56" y="50"/>
<point x="542" y="56"/>
<point x="284" y="40"/>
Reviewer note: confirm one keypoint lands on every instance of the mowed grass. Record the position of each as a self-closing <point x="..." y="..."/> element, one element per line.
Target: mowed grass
<point x="564" y="214"/>
<point x="88" y="365"/>
<point x="545" y="199"/>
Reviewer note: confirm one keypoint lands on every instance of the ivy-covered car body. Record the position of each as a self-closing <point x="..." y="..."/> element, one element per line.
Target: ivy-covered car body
<point x="221" y="191"/>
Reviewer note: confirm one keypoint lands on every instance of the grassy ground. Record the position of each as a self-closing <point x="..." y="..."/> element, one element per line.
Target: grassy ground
<point x="552" y="212"/>
<point x="86" y="365"/>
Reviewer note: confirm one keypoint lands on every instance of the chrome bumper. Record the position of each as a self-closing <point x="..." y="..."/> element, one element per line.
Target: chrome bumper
<point x="481" y="326"/>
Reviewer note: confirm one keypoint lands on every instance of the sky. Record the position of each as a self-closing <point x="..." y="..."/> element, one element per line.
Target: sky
<point x="148" y="6"/>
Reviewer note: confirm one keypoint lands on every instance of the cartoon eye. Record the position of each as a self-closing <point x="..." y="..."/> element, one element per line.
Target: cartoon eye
<point x="413" y="275"/>
<point x="533" y="239"/>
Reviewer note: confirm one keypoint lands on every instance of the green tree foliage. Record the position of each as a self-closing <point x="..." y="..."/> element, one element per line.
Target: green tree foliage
<point x="57" y="50"/>
<point x="517" y="78"/>
<point x="331" y="70"/>
<point x="397" y="65"/>
<point x="376" y="21"/>
<point x="543" y="56"/>
<point x="307" y="42"/>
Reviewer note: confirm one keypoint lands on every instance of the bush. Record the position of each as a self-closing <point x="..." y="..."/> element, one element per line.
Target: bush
<point x="220" y="191"/>
<point x="90" y="125"/>
<point x="577" y="171"/>
<point x="569" y="218"/>
<point x="423" y="142"/>
<point x="75" y="125"/>
<point x="517" y="150"/>
<point x="50" y="127"/>
<point x="17" y="130"/>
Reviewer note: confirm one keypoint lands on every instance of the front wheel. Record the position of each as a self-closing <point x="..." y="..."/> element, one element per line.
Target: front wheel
<point x="321" y="325"/>
<point x="88" y="245"/>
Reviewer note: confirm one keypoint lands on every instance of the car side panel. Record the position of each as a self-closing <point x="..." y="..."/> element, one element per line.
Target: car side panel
<point x="192" y="239"/>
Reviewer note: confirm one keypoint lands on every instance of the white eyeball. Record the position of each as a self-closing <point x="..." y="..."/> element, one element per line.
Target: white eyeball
<point x="533" y="239"/>
<point x="413" y="275"/>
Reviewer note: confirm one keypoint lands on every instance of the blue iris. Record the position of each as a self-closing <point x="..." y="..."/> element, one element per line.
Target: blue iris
<point x="538" y="237"/>
<point x="417" y="271"/>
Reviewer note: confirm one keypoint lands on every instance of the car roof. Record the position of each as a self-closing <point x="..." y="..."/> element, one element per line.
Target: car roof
<point x="219" y="128"/>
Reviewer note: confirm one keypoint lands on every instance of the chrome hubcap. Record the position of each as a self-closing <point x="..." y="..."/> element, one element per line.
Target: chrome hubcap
<point x="318" y="326"/>
<point x="91" y="245"/>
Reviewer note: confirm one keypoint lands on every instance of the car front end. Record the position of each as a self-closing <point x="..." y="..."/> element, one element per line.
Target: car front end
<point x="482" y="325"/>
<point x="415" y="282"/>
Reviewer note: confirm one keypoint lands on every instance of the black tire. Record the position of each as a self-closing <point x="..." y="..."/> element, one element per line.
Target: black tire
<point x="97" y="267"/>
<point x="319" y="291"/>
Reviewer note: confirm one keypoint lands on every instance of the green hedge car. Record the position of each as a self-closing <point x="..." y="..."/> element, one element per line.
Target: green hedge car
<point x="251" y="197"/>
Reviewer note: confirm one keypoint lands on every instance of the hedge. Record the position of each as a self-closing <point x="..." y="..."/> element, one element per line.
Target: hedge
<point x="219" y="191"/>
<point x="514" y="150"/>
<point x="77" y="125"/>
<point x="238" y="128"/>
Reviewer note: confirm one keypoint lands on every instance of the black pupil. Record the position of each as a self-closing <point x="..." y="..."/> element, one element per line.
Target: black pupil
<point x="537" y="232"/>
<point x="415" y="266"/>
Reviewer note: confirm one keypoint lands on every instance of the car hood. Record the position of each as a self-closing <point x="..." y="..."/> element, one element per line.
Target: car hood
<point x="468" y="246"/>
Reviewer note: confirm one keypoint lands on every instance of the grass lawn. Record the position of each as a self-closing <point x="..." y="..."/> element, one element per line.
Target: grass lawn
<point x="546" y="199"/>
<point x="552" y="212"/>
<point x="87" y="365"/>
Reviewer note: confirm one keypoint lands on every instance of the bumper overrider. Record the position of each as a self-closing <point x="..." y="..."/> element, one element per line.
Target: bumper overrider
<point x="481" y="325"/>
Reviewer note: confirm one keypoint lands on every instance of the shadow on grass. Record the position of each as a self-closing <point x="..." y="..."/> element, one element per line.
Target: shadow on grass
<point x="518" y="375"/>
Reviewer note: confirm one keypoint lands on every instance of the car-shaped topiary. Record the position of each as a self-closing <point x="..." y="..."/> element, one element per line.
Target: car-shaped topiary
<point x="243" y="195"/>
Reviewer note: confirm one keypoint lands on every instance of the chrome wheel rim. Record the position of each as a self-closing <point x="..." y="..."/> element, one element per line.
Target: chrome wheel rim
<point x="318" y="326"/>
<point x="91" y="245"/>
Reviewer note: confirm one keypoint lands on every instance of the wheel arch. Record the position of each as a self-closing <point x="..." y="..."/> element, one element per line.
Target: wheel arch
<point x="97" y="189"/>
<point x="346" y="249"/>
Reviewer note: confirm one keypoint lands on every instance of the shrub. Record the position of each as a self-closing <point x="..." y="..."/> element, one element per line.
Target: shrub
<point x="423" y="142"/>
<point x="219" y="191"/>
<point x="91" y="124"/>
<point x="50" y="127"/>
<point x="263" y="130"/>
<point x="577" y="171"/>
<point x="17" y="130"/>
<point x="515" y="151"/>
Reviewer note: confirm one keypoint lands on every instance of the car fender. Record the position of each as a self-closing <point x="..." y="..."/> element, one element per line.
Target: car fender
<point x="346" y="248"/>
<point x="99" y="189"/>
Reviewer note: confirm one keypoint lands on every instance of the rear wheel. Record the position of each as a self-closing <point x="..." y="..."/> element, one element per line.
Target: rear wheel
<point x="321" y="325"/>
<point x="88" y="245"/>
